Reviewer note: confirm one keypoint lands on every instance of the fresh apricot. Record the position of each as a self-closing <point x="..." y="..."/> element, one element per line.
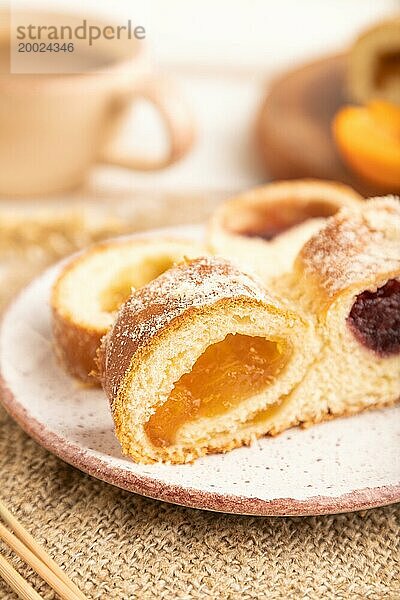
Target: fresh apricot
<point x="388" y="115"/>
<point x="368" y="138"/>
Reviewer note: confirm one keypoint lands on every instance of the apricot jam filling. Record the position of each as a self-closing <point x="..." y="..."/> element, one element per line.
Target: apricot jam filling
<point x="225" y="375"/>
<point x="375" y="319"/>
<point x="270" y="221"/>
<point x="134" y="276"/>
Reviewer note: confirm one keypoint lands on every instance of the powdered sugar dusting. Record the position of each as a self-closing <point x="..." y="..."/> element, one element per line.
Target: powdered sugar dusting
<point x="201" y="282"/>
<point x="344" y="464"/>
<point x="357" y="243"/>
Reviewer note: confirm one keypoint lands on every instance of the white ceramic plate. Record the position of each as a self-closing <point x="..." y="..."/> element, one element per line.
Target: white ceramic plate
<point x="342" y="465"/>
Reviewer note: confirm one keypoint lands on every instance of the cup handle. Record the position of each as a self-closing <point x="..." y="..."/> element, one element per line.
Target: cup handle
<point x="178" y="122"/>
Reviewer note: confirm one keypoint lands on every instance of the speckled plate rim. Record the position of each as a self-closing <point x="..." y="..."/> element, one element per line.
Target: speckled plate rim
<point x="185" y="496"/>
<point x="359" y="499"/>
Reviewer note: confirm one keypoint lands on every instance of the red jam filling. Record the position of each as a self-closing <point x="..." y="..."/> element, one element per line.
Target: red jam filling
<point x="375" y="319"/>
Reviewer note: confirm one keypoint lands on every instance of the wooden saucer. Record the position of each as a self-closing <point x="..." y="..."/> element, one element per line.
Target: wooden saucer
<point x="294" y="125"/>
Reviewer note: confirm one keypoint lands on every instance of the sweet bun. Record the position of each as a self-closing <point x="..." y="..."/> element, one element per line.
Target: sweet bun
<point x="347" y="278"/>
<point x="93" y="285"/>
<point x="194" y="356"/>
<point x="264" y="229"/>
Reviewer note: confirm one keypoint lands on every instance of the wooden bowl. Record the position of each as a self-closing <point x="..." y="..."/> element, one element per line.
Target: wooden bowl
<point x="293" y="127"/>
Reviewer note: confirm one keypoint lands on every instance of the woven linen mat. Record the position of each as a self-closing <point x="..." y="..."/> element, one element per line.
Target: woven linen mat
<point x="117" y="545"/>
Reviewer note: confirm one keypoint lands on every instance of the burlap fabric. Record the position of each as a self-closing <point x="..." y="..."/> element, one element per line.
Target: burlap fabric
<point x="117" y="545"/>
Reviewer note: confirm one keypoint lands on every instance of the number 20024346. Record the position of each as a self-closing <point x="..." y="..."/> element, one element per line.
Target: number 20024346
<point x="45" y="47"/>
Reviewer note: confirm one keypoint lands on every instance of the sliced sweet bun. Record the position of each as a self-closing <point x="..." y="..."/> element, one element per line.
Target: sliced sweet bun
<point x="264" y="229"/>
<point x="347" y="277"/>
<point x="93" y="285"/>
<point x="374" y="64"/>
<point x="193" y="356"/>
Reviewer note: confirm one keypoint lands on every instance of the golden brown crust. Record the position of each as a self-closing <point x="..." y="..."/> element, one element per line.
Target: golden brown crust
<point x="162" y="330"/>
<point x="356" y="248"/>
<point x="283" y="199"/>
<point x="178" y="455"/>
<point x="75" y="347"/>
<point x="76" y="342"/>
<point x="178" y="293"/>
<point x="240" y="440"/>
<point x="265" y="228"/>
